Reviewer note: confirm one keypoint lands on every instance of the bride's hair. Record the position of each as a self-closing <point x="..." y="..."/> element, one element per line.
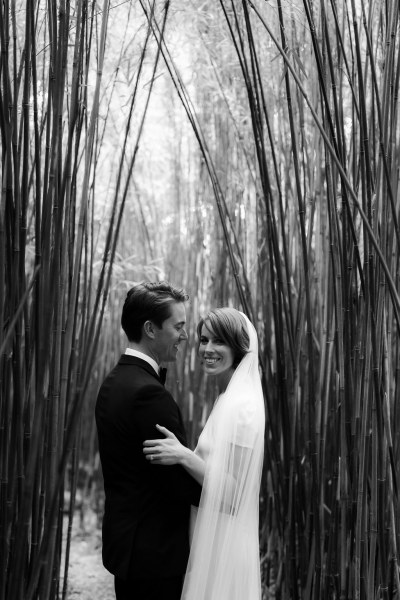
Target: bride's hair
<point x="229" y="325"/>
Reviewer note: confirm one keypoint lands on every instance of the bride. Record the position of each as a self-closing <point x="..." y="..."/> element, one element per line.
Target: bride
<point x="224" y="557"/>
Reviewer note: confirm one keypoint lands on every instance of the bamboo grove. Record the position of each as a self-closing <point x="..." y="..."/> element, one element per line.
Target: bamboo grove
<point x="54" y="278"/>
<point x="250" y="155"/>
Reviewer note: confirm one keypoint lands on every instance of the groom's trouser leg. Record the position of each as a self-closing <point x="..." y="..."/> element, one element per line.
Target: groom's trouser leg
<point x="165" y="588"/>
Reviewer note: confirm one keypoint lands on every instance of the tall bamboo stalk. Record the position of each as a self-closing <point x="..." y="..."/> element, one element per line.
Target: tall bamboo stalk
<point x="51" y="301"/>
<point x="328" y="272"/>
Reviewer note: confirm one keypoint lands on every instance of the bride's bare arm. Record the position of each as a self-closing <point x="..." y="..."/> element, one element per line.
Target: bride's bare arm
<point x="169" y="451"/>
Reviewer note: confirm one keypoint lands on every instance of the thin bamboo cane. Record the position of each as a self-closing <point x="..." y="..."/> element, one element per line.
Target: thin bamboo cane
<point x="40" y="473"/>
<point x="220" y="200"/>
<point x="394" y="295"/>
<point x="346" y="298"/>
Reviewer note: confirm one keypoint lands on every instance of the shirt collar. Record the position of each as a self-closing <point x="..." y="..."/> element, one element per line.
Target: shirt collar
<point x="145" y="357"/>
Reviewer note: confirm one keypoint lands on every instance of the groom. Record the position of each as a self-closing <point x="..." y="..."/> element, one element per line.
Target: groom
<point x="146" y="519"/>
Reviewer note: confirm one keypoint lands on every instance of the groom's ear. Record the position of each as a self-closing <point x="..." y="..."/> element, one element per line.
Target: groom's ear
<point x="148" y="329"/>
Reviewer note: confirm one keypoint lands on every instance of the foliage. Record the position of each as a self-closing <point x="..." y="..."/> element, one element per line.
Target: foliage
<point x="305" y="187"/>
<point x="58" y="243"/>
<point x="266" y="179"/>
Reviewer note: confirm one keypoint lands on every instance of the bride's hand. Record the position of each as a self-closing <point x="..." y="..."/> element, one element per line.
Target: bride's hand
<point x="166" y="451"/>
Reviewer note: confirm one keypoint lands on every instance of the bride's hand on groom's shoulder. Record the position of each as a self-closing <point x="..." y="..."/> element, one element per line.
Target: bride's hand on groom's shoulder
<point x="166" y="451"/>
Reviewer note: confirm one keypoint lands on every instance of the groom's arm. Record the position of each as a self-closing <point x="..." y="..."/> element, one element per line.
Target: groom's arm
<point x="159" y="408"/>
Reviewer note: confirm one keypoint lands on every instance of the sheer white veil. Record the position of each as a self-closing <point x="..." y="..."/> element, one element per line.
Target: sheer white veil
<point x="224" y="558"/>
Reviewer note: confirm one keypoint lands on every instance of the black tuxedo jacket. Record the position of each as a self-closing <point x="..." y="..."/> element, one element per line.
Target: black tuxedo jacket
<point x="147" y="507"/>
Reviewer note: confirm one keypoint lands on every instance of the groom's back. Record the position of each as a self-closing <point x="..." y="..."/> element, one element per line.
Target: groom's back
<point x="147" y="507"/>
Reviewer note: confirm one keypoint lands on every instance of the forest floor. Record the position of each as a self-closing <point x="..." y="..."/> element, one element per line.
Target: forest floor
<point x="87" y="578"/>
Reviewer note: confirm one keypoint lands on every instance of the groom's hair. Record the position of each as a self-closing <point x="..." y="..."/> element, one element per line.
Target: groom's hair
<point x="229" y="325"/>
<point x="148" y="301"/>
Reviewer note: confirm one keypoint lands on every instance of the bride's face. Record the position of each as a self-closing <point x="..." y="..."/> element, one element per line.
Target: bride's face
<point x="216" y="356"/>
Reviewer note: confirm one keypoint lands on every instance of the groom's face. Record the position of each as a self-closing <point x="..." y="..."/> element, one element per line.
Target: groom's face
<point x="172" y="332"/>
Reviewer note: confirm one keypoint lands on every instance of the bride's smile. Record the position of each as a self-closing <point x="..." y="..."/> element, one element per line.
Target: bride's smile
<point x="217" y="357"/>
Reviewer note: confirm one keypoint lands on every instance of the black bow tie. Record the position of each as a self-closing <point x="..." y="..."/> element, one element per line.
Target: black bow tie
<point x="162" y="374"/>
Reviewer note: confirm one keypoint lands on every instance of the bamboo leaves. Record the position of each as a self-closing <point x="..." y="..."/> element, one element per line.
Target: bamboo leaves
<point x="50" y="308"/>
<point x="287" y="208"/>
<point x="327" y="298"/>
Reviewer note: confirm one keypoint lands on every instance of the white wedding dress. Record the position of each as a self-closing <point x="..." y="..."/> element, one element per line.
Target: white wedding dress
<point x="224" y="562"/>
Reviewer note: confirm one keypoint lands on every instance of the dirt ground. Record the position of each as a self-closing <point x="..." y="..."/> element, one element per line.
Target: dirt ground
<point x="88" y="579"/>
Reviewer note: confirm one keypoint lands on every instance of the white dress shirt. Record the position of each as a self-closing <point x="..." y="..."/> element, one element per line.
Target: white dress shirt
<point x="145" y="357"/>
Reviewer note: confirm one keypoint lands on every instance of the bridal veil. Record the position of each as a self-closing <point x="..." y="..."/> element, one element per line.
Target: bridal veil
<point x="224" y="562"/>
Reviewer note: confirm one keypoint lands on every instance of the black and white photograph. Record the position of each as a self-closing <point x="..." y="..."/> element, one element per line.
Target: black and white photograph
<point x="200" y="300"/>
